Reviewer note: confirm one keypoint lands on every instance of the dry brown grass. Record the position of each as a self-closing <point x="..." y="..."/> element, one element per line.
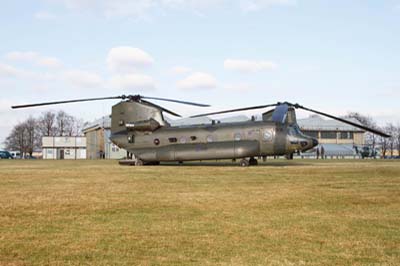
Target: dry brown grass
<point x="280" y="213"/>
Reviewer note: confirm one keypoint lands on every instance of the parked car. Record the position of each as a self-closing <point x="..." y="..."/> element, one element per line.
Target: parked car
<point x="16" y="154"/>
<point x="5" y="155"/>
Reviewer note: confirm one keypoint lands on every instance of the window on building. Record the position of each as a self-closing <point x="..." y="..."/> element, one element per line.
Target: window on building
<point x="346" y="135"/>
<point x="328" y="134"/>
<point x="172" y="140"/>
<point x="310" y="133"/>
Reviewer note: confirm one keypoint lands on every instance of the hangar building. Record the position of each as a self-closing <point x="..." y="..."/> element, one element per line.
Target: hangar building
<point x="337" y="138"/>
<point x="98" y="143"/>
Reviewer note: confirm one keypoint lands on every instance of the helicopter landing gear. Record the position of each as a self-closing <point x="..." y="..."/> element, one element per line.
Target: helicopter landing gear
<point x="244" y="163"/>
<point x="139" y="162"/>
<point x="289" y="156"/>
<point x="253" y="161"/>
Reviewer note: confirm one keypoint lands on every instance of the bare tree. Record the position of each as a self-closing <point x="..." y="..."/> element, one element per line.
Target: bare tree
<point x="64" y="123"/>
<point x="370" y="138"/>
<point x="78" y="126"/>
<point x="397" y="139"/>
<point x="32" y="135"/>
<point x="17" y="139"/>
<point x="391" y="130"/>
<point x="47" y="124"/>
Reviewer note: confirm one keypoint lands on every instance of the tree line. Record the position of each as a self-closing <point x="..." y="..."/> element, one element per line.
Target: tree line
<point x="26" y="136"/>
<point x="388" y="146"/>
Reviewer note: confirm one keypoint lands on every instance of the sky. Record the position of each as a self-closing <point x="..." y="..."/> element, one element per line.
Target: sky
<point x="334" y="56"/>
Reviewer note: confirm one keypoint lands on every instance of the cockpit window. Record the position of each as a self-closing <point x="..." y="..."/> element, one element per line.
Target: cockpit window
<point x="294" y="130"/>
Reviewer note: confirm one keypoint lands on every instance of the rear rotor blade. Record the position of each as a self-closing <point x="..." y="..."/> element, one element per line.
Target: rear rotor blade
<point x="175" y="101"/>
<point x="68" y="101"/>
<point x="380" y="133"/>
<point x="236" y="110"/>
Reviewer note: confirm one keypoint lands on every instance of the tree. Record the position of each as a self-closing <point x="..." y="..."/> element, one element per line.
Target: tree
<point x="65" y="124"/>
<point x="370" y="138"/>
<point x="47" y="124"/>
<point x="16" y="140"/>
<point x="397" y="138"/>
<point x="391" y="130"/>
<point x="33" y="139"/>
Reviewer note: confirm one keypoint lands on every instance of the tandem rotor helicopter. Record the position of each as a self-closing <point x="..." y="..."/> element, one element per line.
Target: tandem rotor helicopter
<point x="138" y="126"/>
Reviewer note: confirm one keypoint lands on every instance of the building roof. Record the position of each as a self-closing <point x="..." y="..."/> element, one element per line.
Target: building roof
<point x="103" y="122"/>
<point x="316" y="122"/>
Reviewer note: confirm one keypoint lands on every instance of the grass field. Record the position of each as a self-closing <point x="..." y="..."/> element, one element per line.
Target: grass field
<point x="280" y="213"/>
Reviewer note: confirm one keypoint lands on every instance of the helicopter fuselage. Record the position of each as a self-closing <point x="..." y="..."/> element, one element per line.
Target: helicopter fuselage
<point x="214" y="141"/>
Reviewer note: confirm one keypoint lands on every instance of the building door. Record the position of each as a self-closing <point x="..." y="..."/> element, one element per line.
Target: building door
<point x="61" y="154"/>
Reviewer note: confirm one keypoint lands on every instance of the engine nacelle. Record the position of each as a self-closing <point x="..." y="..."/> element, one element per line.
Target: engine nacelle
<point x="145" y="125"/>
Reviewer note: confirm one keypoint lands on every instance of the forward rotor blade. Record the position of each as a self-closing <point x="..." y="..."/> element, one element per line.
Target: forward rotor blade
<point x="236" y="110"/>
<point x="175" y="101"/>
<point x="162" y="108"/>
<point x="380" y="133"/>
<point x="68" y="101"/>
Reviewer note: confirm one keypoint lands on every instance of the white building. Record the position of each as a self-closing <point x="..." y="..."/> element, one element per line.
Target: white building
<point x="72" y="148"/>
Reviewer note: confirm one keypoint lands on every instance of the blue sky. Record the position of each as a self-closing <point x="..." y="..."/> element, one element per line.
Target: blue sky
<point x="337" y="56"/>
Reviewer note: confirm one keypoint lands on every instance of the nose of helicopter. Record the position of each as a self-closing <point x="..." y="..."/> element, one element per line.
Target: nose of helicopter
<point x="314" y="142"/>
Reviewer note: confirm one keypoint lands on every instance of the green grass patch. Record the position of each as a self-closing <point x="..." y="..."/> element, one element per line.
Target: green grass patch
<point x="301" y="212"/>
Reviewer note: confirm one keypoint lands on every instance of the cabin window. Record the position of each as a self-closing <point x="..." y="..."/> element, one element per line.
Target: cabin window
<point x="267" y="135"/>
<point x="237" y="136"/>
<point x="193" y="138"/>
<point x="121" y="122"/>
<point x="131" y="138"/>
<point x="156" y="142"/>
<point x="173" y="140"/>
<point x="328" y="134"/>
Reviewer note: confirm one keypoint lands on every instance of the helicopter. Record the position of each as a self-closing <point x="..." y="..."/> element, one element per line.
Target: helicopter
<point x="139" y="126"/>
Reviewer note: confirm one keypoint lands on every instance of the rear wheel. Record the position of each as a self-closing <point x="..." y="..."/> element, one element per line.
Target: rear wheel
<point x="253" y="161"/>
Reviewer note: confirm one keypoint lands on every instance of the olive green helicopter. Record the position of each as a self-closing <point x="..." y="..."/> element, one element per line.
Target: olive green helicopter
<point x="139" y="126"/>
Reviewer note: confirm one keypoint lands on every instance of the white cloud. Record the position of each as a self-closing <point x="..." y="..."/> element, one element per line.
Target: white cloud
<point x="255" y="5"/>
<point x="125" y="59"/>
<point x="198" y="80"/>
<point x="137" y="8"/>
<point x="8" y="71"/>
<point x="177" y="70"/>
<point x="241" y="87"/>
<point x="133" y="82"/>
<point x="192" y="4"/>
<point x="44" y="15"/>
<point x="248" y="66"/>
<point x="83" y="79"/>
<point x="35" y="58"/>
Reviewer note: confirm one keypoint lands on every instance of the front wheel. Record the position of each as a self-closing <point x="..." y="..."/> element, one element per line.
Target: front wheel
<point x="244" y="163"/>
